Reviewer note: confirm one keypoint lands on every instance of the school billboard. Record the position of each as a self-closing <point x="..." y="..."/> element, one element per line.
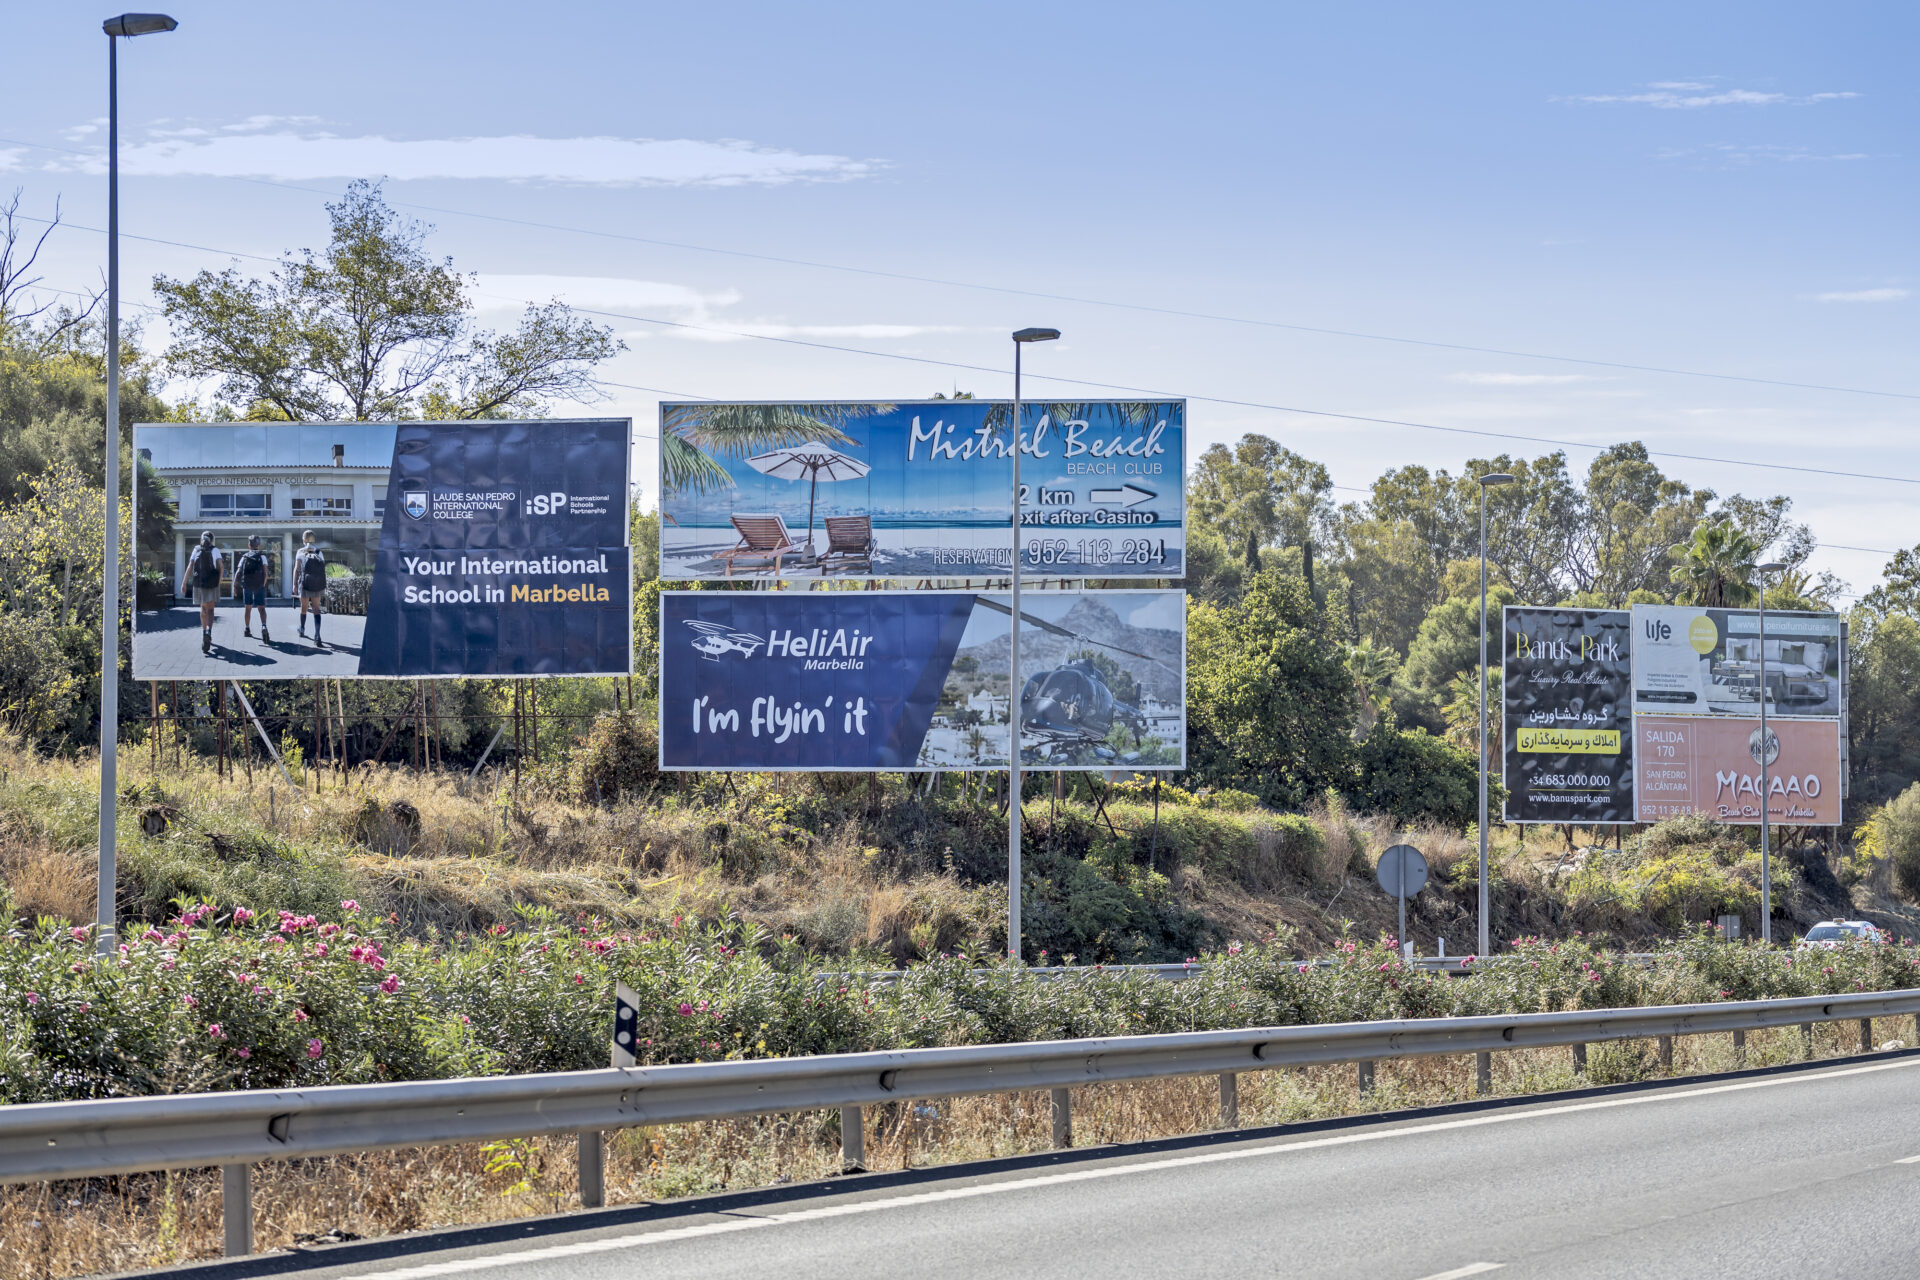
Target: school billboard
<point x="910" y="680"/>
<point x="370" y="549"/>
<point x="1699" y="677"/>
<point x="921" y="490"/>
<point x="1567" y="751"/>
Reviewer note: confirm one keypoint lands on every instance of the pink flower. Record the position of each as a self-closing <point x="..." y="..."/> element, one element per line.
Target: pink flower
<point x="214" y="1032"/>
<point x="315" y="1048"/>
<point x="349" y="905"/>
<point x="578" y="980"/>
<point x="329" y="929"/>
<point x="78" y="934"/>
<point x="1469" y="960"/>
<point x="33" y="997"/>
<point x="686" y="1010"/>
<point x="390" y="984"/>
<point x="241" y="915"/>
<point x="320" y="950"/>
<point x="299" y="1015"/>
<point x="244" y="1052"/>
<point x="85" y="1006"/>
<point x="188" y="1001"/>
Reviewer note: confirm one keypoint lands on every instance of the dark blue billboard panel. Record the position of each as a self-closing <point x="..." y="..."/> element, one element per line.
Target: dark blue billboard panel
<point x="387" y="549"/>
<point x="865" y="680"/>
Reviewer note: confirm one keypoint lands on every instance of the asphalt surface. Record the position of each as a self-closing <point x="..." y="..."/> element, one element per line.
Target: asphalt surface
<point x="1797" y="1174"/>
<point x="166" y="645"/>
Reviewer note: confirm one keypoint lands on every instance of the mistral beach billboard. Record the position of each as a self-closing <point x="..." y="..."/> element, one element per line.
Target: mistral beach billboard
<point x="921" y="489"/>
<point x="908" y="680"/>
<point x="385" y="549"/>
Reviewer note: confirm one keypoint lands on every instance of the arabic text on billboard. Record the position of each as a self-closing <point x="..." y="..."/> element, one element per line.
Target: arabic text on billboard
<point x="385" y="549"/>
<point x="919" y="680"/>
<point x="921" y="490"/>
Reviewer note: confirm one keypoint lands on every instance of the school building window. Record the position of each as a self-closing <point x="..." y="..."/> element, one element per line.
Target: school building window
<point x="235" y="506"/>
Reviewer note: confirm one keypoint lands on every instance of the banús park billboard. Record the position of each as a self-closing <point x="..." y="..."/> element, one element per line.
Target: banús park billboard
<point x="921" y="490"/>
<point x="1567" y="746"/>
<point x="385" y="549"/>
<point x="866" y="680"/>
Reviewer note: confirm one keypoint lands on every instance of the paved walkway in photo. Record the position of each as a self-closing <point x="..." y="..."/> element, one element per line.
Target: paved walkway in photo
<point x="166" y="646"/>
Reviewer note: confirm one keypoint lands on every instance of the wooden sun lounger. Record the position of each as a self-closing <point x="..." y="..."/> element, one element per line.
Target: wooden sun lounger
<point x="762" y="537"/>
<point x="849" y="542"/>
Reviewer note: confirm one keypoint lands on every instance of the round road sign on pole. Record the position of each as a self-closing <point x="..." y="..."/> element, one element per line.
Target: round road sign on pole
<point x="1402" y="871"/>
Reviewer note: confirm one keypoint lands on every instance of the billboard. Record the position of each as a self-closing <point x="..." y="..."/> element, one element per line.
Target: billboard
<point x="1691" y="661"/>
<point x="921" y="489"/>
<point x="1567" y="740"/>
<point x="839" y="680"/>
<point x="1711" y="765"/>
<point x="1697" y="690"/>
<point x="385" y="549"/>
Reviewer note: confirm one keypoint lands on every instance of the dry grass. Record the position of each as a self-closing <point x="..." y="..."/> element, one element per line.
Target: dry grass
<point x="48" y="1231"/>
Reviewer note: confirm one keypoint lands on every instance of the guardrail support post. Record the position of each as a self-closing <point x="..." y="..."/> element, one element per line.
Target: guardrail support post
<point x="1806" y="1039"/>
<point x="236" y="1208"/>
<point x="1366" y="1078"/>
<point x="1740" y="1048"/>
<point x="1229" y="1100"/>
<point x="1866" y="1035"/>
<point x="1666" y="1055"/>
<point x="853" y="1140"/>
<point x="593" y="1169"/>
<point x="1062" y="1119"/>
<point x="1579" y="1059"/>
<point x="1483" y="1073"/>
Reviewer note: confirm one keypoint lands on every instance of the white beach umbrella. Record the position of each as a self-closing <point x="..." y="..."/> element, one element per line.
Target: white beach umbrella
<point x="812" y="462"/>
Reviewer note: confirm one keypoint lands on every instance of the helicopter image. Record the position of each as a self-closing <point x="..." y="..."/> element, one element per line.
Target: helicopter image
<point x="1071" y="709"/>
<point x="715" y="640"/>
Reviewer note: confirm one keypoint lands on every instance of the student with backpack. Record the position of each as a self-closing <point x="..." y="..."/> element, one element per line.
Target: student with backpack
<point x="250" y="579"/>
<point x="202" y="583"/>
<point x="310" y="580"/>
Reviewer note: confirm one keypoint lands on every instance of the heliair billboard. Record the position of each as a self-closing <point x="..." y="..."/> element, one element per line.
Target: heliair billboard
<point x="921" y="490"/>
<point x="909" y="680"/>
<point x="384" y="549"/>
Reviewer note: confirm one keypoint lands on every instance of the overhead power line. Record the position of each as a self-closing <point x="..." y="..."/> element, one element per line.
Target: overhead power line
<point x="1076" y="299"/>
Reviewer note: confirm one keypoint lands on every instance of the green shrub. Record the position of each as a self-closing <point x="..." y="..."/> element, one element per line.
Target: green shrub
<point x="1417" y="778"/>
<point x="621" y="757"/>
<point x="1893" y="832"/>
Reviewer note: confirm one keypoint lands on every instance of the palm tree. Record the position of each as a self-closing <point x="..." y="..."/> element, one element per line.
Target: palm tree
<point x="1716" y="566"/>
<point x="691" y="434"/>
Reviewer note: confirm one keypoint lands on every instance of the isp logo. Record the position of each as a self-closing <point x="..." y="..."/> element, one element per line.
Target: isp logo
<point x="415" y="503"/>
<point x="547" y="504"/>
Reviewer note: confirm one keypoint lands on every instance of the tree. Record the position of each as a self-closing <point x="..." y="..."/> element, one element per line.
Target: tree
<point x="1260" y="494"/>
<point x="691" y="434"/>
<point x="372" y="327"/>
<point x="1416" y="777"/>
<point x="1716" y="566"/>
<point x="1883" y="706"/>
<point x="1448" y="643"/>
<point x="1270" y="702"/>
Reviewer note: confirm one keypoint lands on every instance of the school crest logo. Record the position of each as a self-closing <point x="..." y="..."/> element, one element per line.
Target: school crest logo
<point x="415" y="503"/>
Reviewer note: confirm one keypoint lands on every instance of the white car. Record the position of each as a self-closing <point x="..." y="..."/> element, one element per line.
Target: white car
<point x="1833" y="933"/>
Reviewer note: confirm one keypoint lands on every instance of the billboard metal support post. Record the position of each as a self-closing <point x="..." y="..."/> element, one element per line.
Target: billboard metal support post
<point x="1020" y="338"/>
<point x="1766" y="829"/>
<point x="131" y="24"/>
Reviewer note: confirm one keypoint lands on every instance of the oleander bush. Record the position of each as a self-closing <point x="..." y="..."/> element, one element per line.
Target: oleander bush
<point x="224" y="999"/>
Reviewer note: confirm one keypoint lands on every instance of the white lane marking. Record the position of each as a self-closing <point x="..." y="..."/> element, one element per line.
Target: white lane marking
<point x="729" y="1225"/>
<point x="1908" y="1160"/>
<point x="1461" y="1273"/>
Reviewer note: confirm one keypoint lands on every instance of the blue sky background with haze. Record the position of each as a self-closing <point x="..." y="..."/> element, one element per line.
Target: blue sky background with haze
<point x="1724" y="188"/>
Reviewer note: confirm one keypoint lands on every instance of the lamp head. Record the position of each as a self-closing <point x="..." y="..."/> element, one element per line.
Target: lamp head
<point x="1035" y="335"/>
<point x="1772" y="566"/>
<point x="1493" y="478"/>
<point x="138" y="24"/>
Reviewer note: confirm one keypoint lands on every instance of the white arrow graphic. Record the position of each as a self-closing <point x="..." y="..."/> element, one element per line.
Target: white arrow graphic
<point x="1126" y="496"/>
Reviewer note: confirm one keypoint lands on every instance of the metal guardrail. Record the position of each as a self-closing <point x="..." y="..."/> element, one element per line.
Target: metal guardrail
<point x="40" y="1141"/>
<point x="1451" y="965"/>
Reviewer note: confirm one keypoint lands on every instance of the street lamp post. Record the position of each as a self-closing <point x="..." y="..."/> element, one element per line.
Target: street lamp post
<point x="1766" y="827"/>
<point x="1020" y="339"/>
<point x="126" y="25"/>
<point x="1487" y="481"/>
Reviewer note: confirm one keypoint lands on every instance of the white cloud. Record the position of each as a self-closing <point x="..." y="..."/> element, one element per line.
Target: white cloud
<point x="1519" y="379"/>
<point x="246" y="151"/>
<point x="10" y="158"/>
<point x="601" y="293"/>
<point x="1864" y="295"/>
<point x="1687" y="95"/>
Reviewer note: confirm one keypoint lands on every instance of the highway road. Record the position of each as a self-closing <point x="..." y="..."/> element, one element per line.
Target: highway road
<point x="1806" y="1174"/>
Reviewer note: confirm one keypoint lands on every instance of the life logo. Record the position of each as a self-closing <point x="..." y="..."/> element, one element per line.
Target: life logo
<point x="546" y="504"/>
<point x="715" y="641"/>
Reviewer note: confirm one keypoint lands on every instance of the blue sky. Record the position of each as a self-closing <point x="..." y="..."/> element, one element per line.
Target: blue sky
<point x="1721" y="188"/>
